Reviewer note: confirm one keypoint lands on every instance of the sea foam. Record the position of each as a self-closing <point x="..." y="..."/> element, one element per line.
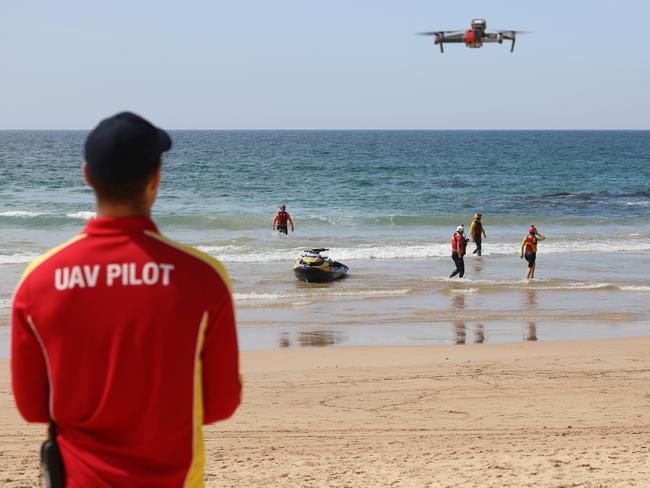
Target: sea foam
<point x="318" y="292"/>
<point x="387" y="251"/>
<point x="21" y="213"/>
<point x="83" y="215"/>
<point x="17" y="258"/>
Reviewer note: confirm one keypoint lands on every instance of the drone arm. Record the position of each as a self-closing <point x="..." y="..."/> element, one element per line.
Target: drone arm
<point x="440" y="39"/>
<point x="510" y="36"/>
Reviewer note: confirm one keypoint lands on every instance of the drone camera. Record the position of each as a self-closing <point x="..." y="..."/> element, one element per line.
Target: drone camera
<point x="479" y="24"/>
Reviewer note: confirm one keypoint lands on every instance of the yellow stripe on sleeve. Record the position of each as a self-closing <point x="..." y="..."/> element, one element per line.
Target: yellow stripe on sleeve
<point x="206" y="258"/>
<point x="44" y="257"/>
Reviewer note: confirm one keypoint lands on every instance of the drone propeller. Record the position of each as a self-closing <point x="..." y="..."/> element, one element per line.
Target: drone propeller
<point x="440" y="36"/>
<point x="510" y="31"/>
<point x="438" y="33"/>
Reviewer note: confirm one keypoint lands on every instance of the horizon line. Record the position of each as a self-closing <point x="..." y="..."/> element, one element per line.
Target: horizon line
<point x="465" y="129"/>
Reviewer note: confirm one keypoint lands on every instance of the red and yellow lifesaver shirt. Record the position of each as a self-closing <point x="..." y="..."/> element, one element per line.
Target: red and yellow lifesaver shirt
<point x="127" y="340"/>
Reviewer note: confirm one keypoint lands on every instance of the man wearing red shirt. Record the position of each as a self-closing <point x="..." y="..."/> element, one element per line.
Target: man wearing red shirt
<point x="121" y="338"/>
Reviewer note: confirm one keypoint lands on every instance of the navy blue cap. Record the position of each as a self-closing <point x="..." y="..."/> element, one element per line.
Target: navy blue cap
<point x="124" y="146"/>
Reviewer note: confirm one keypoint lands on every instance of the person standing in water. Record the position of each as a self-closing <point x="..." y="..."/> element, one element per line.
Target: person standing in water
<point x="281" y="219"/>
<point x="476" y="232"/>
<point x="458" y="248"/>
<point x="529" y="249"/>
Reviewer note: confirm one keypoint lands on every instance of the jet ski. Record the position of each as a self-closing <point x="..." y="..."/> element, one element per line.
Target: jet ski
<point x="311" y="266"/>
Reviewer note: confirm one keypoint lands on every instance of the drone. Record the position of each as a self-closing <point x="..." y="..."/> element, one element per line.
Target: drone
<point x="473" y="37"/>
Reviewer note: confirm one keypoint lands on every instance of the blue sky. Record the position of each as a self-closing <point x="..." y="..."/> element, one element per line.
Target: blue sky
<point x="296" y="64"/>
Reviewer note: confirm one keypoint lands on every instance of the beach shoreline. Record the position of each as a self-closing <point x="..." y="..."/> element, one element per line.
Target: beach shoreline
<point x="548" y="414"/>
<point x="412" y="302"/>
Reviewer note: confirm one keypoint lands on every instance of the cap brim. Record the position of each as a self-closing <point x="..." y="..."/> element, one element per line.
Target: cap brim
<point x="164" y="141"/>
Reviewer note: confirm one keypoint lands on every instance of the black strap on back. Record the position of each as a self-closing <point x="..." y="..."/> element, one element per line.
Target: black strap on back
<point x="52" y="430"/>
<point x="52" y="468"/>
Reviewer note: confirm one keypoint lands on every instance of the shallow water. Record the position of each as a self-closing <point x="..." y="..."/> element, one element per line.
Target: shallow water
<point x="386" y="203"/>
<point x="412" y="302"/>
<point x="407" y="301"/>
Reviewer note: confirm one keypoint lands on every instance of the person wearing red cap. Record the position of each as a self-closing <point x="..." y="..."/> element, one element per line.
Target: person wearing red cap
<point x="123" y="340"/>
<point x="281" y="219"/>
<point x="529" y="249"/>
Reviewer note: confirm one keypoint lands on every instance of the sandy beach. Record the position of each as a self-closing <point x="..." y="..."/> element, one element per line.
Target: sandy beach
<point x="547" y="414"/>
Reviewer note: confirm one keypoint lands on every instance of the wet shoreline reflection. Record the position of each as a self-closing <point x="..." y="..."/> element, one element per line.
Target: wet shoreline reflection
<point x="530" y="304"/>
<point x="460" y="333"/>
<point x="479" y="334"/>
<point x="315" y="338"/>
<point x="532" y="331"/>
<point x="463" y="331"/>
<point x="460" y="328"/>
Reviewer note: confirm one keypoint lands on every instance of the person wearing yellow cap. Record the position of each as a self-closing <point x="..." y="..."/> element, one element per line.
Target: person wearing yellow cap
<point x="477" y="232"/>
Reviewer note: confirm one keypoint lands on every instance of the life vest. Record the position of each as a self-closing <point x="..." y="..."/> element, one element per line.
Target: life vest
<point x="476" y="228"/>
<point x="281" y="219"/>
<point x="458" y="244"/>
<point x="530" y="244"/>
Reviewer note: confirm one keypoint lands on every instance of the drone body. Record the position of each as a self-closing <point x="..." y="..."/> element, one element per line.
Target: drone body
<point x="473" y="37"/>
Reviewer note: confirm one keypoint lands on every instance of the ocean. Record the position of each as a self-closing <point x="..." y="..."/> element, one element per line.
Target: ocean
<point x="386" y="203"/>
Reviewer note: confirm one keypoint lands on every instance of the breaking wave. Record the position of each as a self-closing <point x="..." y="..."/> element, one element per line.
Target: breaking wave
<point x="17" y="258"/>
<point x="251" y="254"/>
<point x="317" y="292"/>
<point x="256" y="221"/>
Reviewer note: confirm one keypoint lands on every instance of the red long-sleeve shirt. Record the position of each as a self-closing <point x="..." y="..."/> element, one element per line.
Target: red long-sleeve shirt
<point x="127" y="340"/>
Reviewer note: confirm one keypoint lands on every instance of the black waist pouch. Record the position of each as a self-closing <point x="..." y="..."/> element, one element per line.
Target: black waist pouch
<point x="52" y="469"/>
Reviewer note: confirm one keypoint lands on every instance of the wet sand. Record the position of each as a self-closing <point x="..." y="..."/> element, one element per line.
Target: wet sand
<point x="405" y="302"/>
<point x="542" y="414"/>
